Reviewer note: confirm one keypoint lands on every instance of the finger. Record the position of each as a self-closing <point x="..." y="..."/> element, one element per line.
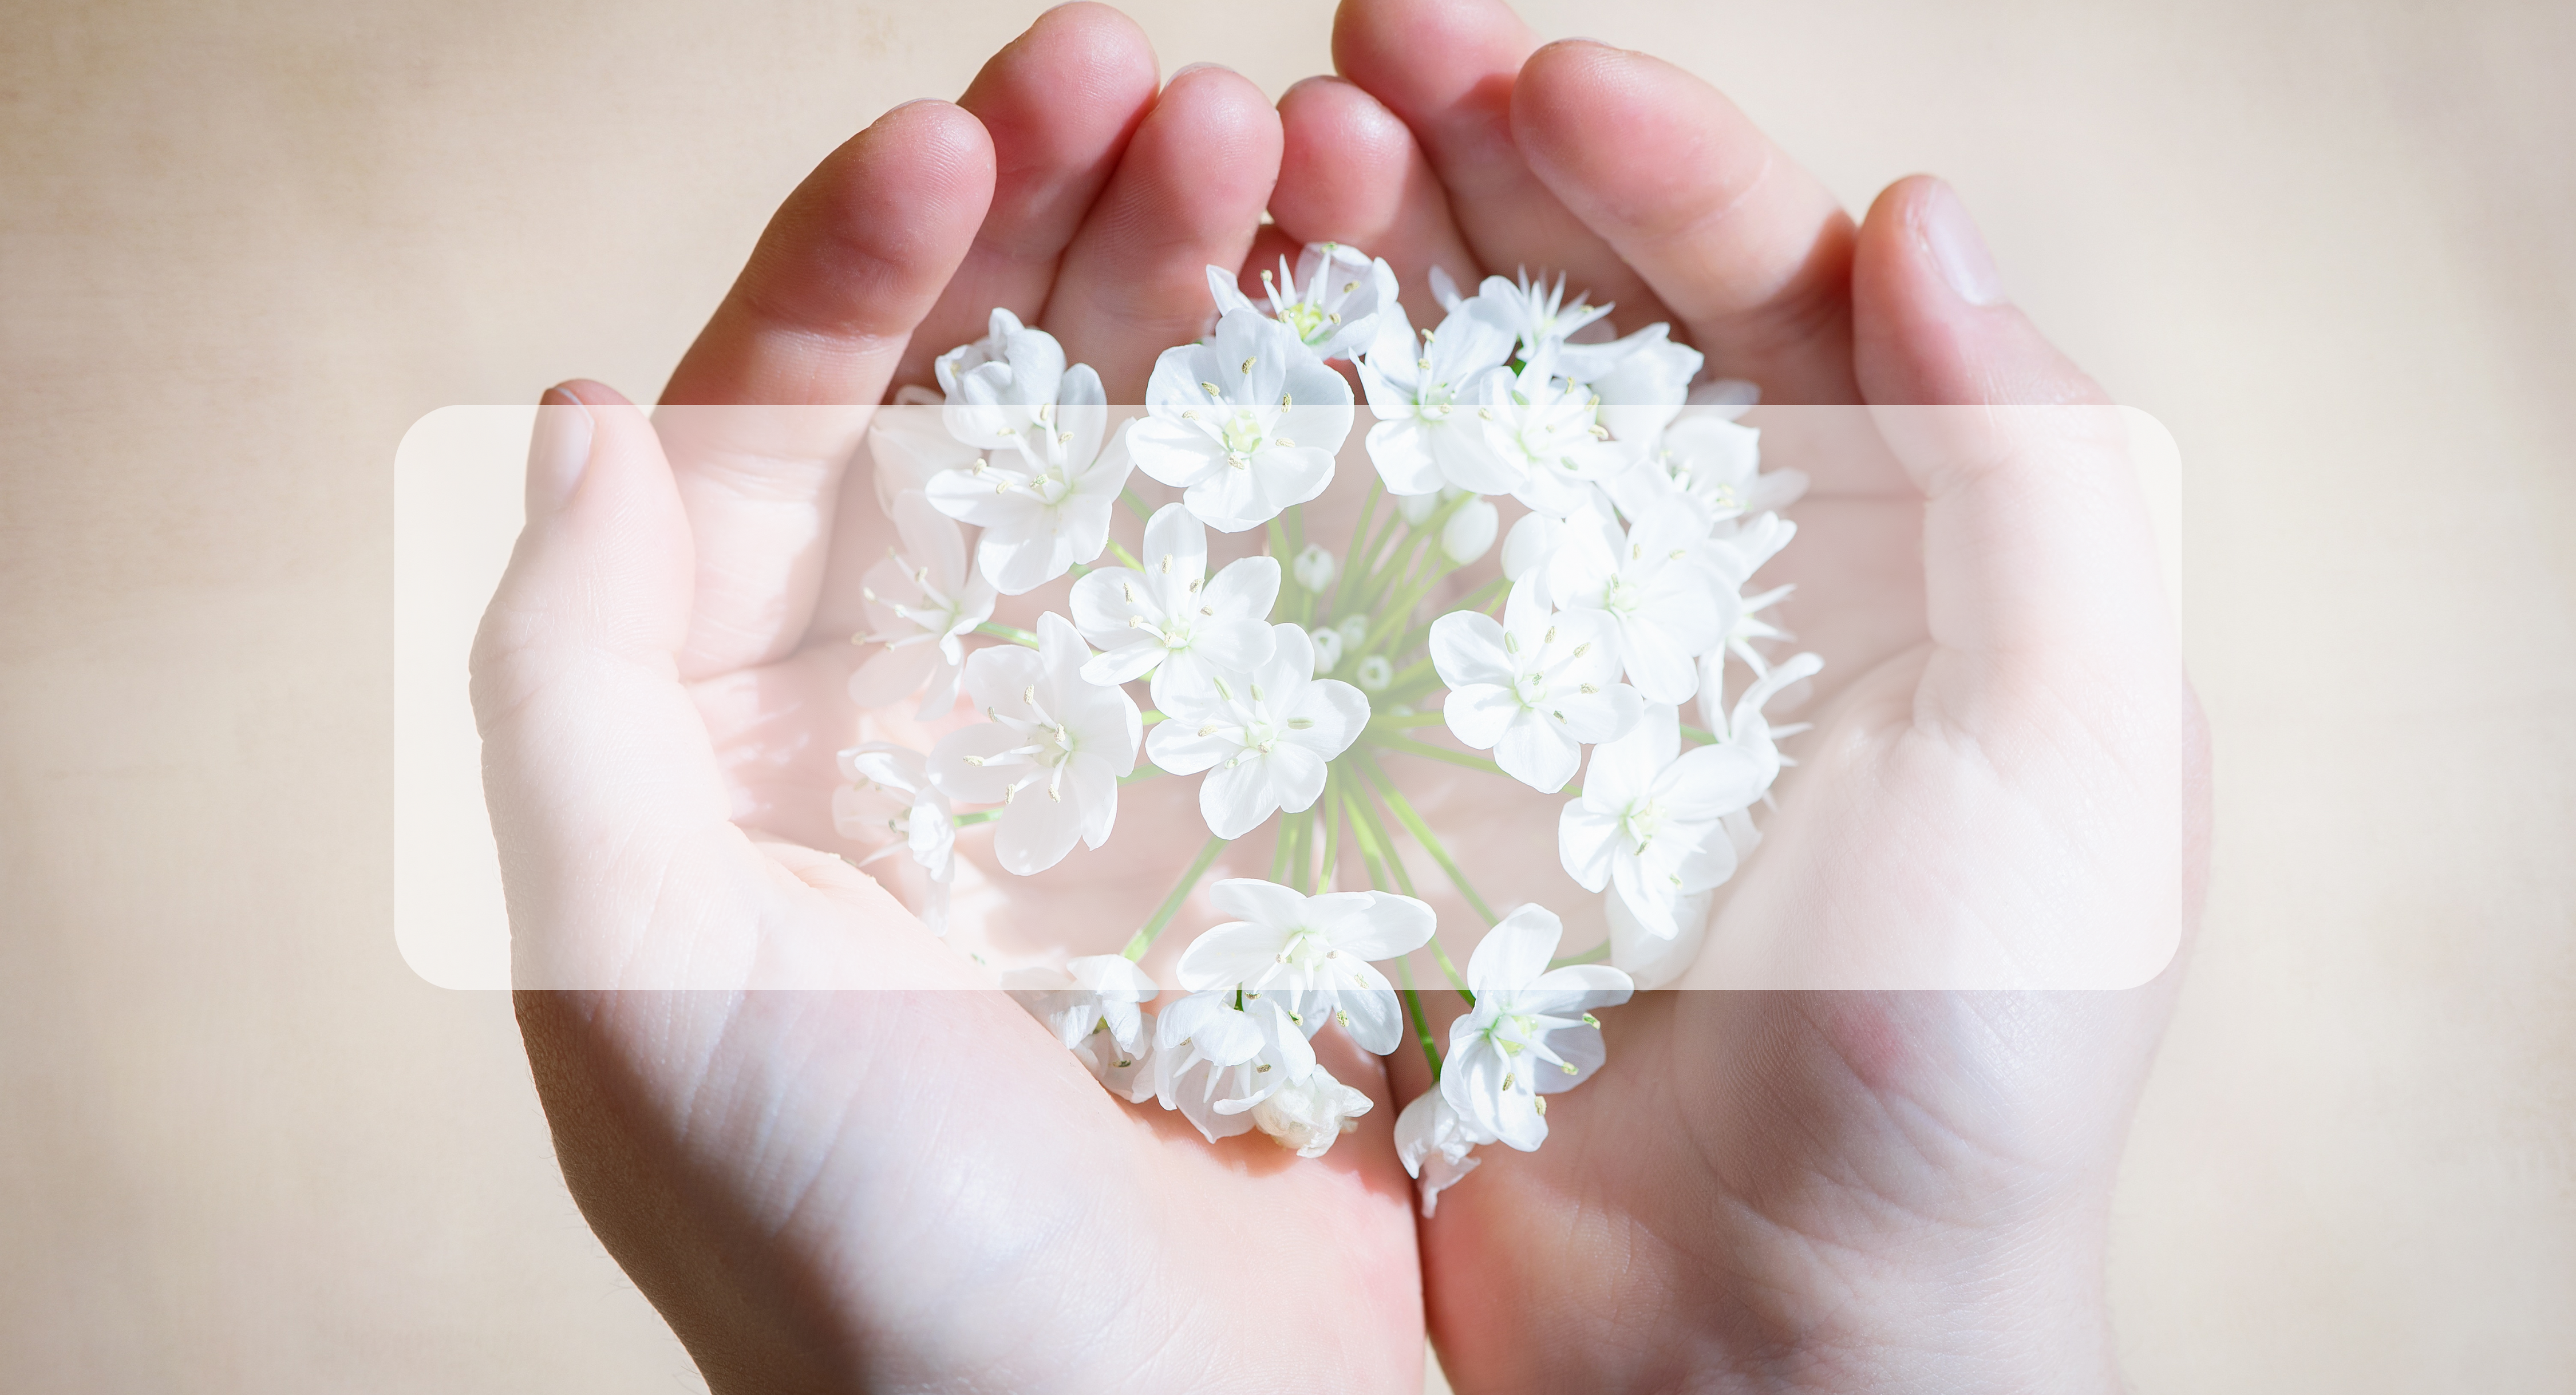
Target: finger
<point x="591" y="747"/>
<point x="1060" y="102"/>
<point x="1446" y="67"/>
<point x="1750" y="250"/>
<point x="2035" y="535"/>
<point x="619" y="861"/>
<point x="818" y="319"/>
<point x="1350" y="172"/>
<point x="1188" y="195"/>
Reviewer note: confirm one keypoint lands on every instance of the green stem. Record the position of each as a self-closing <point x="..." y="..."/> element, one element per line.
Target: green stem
<point x="1351" y="561"/>
<point x="980" y="816"/>
<point x="1327" y="807"/>
<point x="1386" y="721"/>
<point x="1149" y="716"/>
<point x="1422" y="834"/>
<point x="1405" y="879"/>
<point x="1016" y="636"/>
<point x="1142" y="772"/>
<point x="1135" y="506"/>
<point x="1124" y="556"/>
<point x="1421" y="1019"/>
<point x="1709" y="738"/>
<point x="1144" y="939"/>
<point x="1593" y="955"/>
<point x="1373" y="835"/>
<point x="1422" y="748"/>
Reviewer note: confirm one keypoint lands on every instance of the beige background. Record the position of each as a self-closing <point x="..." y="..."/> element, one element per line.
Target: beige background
<point x="242" y="1148"/>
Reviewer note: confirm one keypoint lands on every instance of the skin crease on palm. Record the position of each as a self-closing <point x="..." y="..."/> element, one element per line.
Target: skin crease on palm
<point x="920" y="1190"/>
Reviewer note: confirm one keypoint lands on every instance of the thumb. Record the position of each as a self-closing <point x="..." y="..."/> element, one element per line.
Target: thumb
<point x="619" y="860"/>
<point x="2037" y="544"/>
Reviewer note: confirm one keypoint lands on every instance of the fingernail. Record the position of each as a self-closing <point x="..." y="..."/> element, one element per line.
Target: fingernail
<point x="1958" y="249"/>
<point x="1188" y="69"/>
<point x="558" y="450"/>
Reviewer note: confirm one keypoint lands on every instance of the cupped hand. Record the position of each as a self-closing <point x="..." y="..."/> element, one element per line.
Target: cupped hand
<point x="1829" y="1190"/>
<point x="915" y="1189"/>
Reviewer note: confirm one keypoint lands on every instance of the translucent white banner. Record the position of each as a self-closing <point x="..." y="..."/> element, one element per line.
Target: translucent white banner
<point x="1977" y="786"/>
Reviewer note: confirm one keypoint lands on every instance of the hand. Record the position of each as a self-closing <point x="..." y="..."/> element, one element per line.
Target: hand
<point x="1837" y="1191"/>
<point x="870" y="1189"/>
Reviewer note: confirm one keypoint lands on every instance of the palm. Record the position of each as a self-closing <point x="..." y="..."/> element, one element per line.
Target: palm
<point x="922" y="1187"/>
<point x="1799" y="1187"/>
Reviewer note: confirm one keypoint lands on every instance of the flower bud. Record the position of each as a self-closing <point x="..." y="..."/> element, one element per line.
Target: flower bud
<point x="1470" y="531"/>
<point x="1354" y="630"/>
<point x="1417" y="507"/>
<point x="1376" y="675"/>
<point x="1328" y="649"/>
<point x="1314" y="569"/>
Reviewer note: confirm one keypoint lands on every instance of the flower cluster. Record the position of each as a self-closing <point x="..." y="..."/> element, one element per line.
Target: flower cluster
<point x="1640" y="516"/>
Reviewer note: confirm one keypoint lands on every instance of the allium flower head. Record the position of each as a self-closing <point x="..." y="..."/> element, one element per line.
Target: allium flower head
<point x="1263" y="735"/>
<point x="1331" y="302"/>
<point x="995" y="385"/>
<point x="1052" y="748"/>
<point x="1534" y="312"/>
<point x="1427" y="396"/>
<point x="886" y="790"/>
<point x="1656" y="583"/>
<point x="1043" y="502"/>
<point x="921" y="604"/>
<point x="1546" y="431"/>
<point x="1534" y="689"/>
<point x="1246" y="424"/>
<point x="1312" y="954"/>
<point x="1649" y="822"/>
<point x="1170" y="619"/>
<point x="1094" y="992"/>
<point x="1531" y="1033"/>
<point x="1435" y="1144"/>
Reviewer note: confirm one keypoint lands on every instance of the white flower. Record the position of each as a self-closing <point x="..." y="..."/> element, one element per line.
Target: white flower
<point x="1163" y="620"/>
<point x="1531" y="1032"/>
<point x="1197" y="1042"/>
<point x="1220" y="1065"/>
<point x="1311" y="954"/>
<point x="1653" y="960"/>
<point x="906" y="447"/>
<point x="1053" y="748"/>
<point x="1095" y="991"/>
<point x="1534" y="312"/>
<point x="1247" y="424"/>
<point x="1747" y="729"/>
<point x="1307" y="1114"/>
<point x="1046" y="505"/>
<point x="1533" y="689"/>
<point x="1127" y="1072"/>
<point x="1469" y="533"/>
<point x="995" y="385"/>
<point x="1659" y="586"/>
<point x="1375" y="674"/>
<point x="1648" y="822"/>
<point x="887" y="789"/>
<point x="1545" y="430"/>
<point x="1642" y="380"/>
<point x="1750" y="625"/>
<point x="1314" y="567"/>
<point x="1718" y="463"/>
<point x="1335" y="314"/>
<point x="1266" y="732"/>
<point x="1531" y="543"/>
<point x="921" y="604"/>
<point x="1426" y="398"/>
<point x="1435" y="1144"/>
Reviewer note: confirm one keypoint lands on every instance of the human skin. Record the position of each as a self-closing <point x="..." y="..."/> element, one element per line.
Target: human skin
<point x="921" y="1190"/>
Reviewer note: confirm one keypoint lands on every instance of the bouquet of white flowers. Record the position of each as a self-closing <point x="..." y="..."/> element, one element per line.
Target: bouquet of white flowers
<point x="1282" y="677"/>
